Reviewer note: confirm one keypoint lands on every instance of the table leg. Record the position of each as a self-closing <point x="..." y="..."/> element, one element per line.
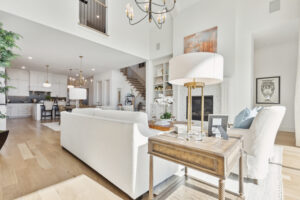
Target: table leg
<point x="185" y="171"/>
<point x="241" y="176"/>
<point x="221" y="189"/>
<point x="151" y="178"/>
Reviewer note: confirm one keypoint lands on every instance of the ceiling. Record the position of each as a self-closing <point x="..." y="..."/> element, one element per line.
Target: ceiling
<point x="61" y="51"/>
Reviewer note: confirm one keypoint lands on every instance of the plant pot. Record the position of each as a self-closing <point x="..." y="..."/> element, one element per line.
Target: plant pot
<point x="3" y="137"/>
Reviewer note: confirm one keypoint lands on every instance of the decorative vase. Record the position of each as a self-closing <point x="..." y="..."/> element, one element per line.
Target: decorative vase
<point x="3" y="137"/>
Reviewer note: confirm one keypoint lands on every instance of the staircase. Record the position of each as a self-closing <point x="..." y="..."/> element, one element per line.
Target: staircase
<point x="135" y="81"/>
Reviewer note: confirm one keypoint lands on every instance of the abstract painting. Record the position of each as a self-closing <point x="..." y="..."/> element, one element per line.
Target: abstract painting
<point x="204" y="41"/>
<point x="268" y="90"/>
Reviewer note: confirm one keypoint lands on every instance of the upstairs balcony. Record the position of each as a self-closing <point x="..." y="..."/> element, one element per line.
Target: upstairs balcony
<point x="92" y="14"/>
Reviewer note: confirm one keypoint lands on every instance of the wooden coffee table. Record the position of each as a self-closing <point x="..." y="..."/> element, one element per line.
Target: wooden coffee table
<point x="213" y="156"/>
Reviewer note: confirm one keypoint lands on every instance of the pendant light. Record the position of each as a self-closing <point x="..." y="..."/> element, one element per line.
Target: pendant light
<point x="47" y="84"/>
<point x="70" y="79"/>
<point x="81" y="77"/>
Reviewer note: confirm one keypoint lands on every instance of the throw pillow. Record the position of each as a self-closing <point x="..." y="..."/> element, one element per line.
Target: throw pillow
<point x="245" y="118"/>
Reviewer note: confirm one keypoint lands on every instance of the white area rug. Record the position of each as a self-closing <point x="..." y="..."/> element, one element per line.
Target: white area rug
<point x="52" y="125"/>
<point x="270" y="188"/>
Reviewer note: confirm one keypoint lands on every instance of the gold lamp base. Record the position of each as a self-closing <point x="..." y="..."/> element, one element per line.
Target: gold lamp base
<point x="190" y="86"/>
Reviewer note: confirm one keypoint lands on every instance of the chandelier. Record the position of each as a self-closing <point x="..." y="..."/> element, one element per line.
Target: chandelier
<point x="70" y="80"/>
<point x="154" y="11"/>
<point x="81" y="80"/>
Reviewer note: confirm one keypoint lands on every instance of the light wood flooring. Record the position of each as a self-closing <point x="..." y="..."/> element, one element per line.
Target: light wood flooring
<point x="32" y="159"/>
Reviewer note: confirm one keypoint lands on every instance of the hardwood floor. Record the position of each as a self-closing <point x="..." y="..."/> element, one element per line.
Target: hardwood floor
<point x="32" y="159"/>
<point x="291" y="166"/>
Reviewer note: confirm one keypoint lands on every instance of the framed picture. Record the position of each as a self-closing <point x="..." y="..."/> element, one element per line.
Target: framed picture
<point x="268" y="90"/>
<point x="217" y="126"/>
<point x="204" y="41"/>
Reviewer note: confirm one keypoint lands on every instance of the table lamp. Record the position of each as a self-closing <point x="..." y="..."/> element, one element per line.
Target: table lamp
<point x="77" y="94"/>
<point x="196" y="70"/>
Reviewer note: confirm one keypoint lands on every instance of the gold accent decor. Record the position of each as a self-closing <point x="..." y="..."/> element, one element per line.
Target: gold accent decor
<point x="190" y="86"/>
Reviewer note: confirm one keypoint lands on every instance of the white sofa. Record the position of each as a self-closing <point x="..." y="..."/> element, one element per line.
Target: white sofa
<point x="115" y="144"/>
<point x="259" y="141"/>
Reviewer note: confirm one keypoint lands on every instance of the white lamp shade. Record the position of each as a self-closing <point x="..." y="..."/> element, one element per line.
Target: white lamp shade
<point x="70" y="86"/>
<point x="47" y="84"/>
<point x="199" y="67"/>
<point x="77" y="93"/>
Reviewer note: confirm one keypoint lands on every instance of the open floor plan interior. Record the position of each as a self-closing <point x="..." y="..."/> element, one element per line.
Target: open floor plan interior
<point x="161" y="99"/>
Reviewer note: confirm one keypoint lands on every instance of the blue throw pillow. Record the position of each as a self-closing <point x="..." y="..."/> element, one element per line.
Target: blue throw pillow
<point x="245" y="118"/>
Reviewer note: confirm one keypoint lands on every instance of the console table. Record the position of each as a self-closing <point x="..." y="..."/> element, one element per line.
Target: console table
<point x="213" y="156"/>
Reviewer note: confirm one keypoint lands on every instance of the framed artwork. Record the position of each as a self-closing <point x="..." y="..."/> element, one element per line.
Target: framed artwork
<point x="204" y="41"/>
<point x="217" y="126"/>
<point x="268" y="90"/>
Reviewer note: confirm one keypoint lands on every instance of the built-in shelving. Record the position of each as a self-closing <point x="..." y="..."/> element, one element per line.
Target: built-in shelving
<point x="161" y="78"/>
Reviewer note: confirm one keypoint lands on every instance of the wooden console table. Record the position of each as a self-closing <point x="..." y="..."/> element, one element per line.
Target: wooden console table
<point x="213" y="156"/>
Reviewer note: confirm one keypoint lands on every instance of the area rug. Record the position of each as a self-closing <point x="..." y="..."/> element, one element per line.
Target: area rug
<point x="270" y="188"/>
<point x="52" y="125"/>
<point x="79" y="188"/>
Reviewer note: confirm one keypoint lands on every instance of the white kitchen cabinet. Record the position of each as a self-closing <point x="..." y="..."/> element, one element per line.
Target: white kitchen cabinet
<point x="59" y="85"/>
<point x="18" y="110"/>
<point x="37" y="79"/>
<point x="19" y="79"/>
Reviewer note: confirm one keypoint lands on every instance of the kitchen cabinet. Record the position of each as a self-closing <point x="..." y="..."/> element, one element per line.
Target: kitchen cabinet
<point x="59" y="85"/>
<point x="19" y="80"/>
<point x="18" y="110"/>
<point x="37" y="79"/>
<point x="24" y="81"/>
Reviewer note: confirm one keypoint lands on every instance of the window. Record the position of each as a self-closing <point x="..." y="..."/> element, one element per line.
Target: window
<point x="92" y="13"/>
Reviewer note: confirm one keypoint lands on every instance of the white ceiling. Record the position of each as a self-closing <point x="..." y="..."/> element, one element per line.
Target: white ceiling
<point x="48" y="46"/>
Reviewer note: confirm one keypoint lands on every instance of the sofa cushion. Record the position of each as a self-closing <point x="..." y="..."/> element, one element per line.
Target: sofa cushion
<point x="135" y="117"/>
<point x="84" y="111"/>
<point x="245" y="118"/>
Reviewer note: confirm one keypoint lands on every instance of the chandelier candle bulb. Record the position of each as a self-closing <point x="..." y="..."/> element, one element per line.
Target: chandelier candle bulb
<point x="154" y="10"/>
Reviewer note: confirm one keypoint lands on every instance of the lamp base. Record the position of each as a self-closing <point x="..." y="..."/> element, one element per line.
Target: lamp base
<point x="190" y="86"/>
<point x="190" y="136"/>
<point x="77" y="103"/>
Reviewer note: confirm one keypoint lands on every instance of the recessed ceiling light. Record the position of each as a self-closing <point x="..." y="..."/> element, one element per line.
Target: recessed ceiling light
<point x="29" y="58"/>
<point x="93" y="69"/>
<point x="23" y="67"/>
<point x="98" y="16"/>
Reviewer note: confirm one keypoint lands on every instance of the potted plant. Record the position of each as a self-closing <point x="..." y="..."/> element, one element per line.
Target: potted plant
<point x="7" y="43"/>
<point x="165" y="101"/>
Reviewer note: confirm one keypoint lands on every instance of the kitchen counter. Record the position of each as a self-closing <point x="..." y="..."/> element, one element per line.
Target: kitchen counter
<point x="36" y="111"/>
<point x="19" y="110"/>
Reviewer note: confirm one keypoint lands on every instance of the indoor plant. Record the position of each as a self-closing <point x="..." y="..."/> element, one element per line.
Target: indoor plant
<point x="7" y="43"/>
<point x="165" y="101"/>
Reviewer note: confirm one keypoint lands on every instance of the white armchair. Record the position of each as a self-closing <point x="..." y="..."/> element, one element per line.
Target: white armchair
<point x="259" y="141"/>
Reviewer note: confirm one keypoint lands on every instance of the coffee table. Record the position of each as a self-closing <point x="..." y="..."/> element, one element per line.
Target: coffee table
<point x="213" y="156"/>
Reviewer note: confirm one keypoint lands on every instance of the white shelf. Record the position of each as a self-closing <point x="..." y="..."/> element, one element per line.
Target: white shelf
<point x="161" y="72"/>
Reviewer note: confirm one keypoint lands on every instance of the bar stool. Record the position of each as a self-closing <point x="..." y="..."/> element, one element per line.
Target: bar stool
<point x="46" y="110"/>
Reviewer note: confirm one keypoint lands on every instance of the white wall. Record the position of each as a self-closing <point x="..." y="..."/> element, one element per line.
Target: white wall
<point x="64" y="16"/>
<point x="252" y="17"/>
<point x="279" y="60"/>
<point x="163" y="37"/>
<point x="117" y="81"/>
<point x="202" y="16"/>
<point x="237" y="21"/>
<point x="102" y="77"/>
<point x="297" y="98"/>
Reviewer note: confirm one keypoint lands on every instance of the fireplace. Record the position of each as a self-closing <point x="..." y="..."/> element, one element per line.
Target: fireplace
<point x="196" y="107"/>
